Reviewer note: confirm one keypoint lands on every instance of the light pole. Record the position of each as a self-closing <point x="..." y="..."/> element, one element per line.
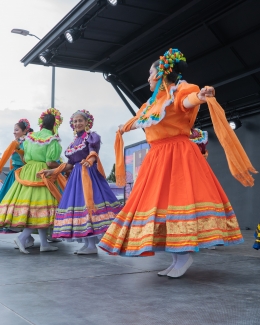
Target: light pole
<point x="26" y="33"/>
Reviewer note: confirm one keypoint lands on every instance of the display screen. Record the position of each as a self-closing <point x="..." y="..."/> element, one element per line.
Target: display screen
<point x="134" y="156"/>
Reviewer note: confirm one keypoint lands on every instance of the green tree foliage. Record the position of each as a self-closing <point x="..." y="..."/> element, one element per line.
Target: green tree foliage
<point x="112" y="177"/>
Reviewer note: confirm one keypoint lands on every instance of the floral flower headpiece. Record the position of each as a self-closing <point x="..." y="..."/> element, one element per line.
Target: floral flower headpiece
<point x="58" y="118"/>
<point x="26" y="123"/>
<point x="168" y="61"/>
<point x="166" y="65"/>
<point x="87" y="115"/>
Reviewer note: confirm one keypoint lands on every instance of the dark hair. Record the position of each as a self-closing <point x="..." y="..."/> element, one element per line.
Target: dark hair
<point x="179" y="67"/>
<point x="22" y="126"/>
<point x="48" y="122"/>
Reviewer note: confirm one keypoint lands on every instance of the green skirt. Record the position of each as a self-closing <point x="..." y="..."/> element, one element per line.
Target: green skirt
<point x="26" y="206"/>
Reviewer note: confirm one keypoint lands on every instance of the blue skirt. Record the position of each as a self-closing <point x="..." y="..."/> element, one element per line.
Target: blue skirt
<point x="9" y="180"/>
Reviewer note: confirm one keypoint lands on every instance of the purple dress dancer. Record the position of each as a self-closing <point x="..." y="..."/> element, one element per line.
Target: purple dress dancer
<point x="72" y="218"/>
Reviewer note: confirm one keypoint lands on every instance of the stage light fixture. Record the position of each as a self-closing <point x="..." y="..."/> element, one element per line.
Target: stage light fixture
<point x="112" y="2"/>
<point x="45" y="56"/>
<point x="72" y="34"/>
<point x="235" y="123"/>
<point x="109" y="77"/>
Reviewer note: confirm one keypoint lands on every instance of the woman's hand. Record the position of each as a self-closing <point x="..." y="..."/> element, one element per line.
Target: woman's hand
<point x="89" y="162"/>
<point x="120" y="129"/>
<point x="206" y="92"/>
<point x="46" y="172"/>
<point x="85" y="163"/>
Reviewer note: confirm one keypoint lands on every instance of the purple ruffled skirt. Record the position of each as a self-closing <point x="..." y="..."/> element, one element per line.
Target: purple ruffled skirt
<point x="73" y="221"/>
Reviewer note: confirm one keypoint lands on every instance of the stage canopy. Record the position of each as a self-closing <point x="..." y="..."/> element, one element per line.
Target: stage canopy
<point x="220" y="39"/>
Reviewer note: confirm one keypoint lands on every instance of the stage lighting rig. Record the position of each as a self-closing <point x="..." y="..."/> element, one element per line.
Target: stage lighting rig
<point x="73" y="34"/>
<point x="235" y="123"/>
<point x="47" y="55"/>
<point x="112" y="2"/>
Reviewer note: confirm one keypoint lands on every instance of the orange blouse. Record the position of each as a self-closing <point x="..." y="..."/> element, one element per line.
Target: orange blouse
<point x="164" y="121"/>
<point x="177" y="120"/>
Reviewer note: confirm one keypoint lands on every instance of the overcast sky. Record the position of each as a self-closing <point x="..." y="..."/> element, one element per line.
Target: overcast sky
<point x="26" y="91"/>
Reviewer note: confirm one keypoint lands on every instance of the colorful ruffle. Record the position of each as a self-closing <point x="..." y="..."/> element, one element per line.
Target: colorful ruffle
<point x="198" y="136"/>
<point x="75" y="148"/>
<point x="146" y="120"/>
<point x="32" y="138"/>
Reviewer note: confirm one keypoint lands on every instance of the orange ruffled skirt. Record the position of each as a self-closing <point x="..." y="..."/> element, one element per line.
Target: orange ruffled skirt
<point x="177" y="205"/>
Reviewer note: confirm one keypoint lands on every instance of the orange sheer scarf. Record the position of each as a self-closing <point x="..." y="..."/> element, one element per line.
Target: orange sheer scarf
<point x="87" y="183"/>
<point x="119" y="153"/>
<point x="8" y="153"/>
<point x="48" y="182"/>
<point x="238" y="161"/>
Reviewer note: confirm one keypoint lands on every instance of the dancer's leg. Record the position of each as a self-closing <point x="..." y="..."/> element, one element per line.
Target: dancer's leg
<point x="21" y="239"/>
<point x="183" y="262"/>
<point x="92" y="243"/>
<point x="53" y="240"/>
<point x="166" y="271"/>
<point x="89" y="247"/>
<point x="84" y="247"/>
<point x="45" y="246"/>
<point x="29" y="242"/>
<point x="24" y="235"/>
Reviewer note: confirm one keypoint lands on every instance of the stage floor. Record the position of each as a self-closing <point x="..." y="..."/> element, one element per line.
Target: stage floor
<point x="60" y="288"/>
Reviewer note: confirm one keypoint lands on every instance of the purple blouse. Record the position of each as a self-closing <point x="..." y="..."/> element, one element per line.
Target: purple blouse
<point x="81" y="147"/>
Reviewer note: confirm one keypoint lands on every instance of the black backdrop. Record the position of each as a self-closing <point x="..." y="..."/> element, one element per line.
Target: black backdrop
<point x="245" y="200"/>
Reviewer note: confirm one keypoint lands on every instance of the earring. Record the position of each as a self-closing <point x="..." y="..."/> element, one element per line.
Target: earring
<point x="161" y="87"/>
<point x="86" y="128"/>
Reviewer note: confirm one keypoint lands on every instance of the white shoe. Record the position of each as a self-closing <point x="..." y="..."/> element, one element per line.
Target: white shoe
<point x="166" y="271"/>
<point x="48" y="249"/>
<point x="20" y="246"/>
<point x="28" y="244"/>
<point x="87" y="251"/>
<point x="176" y="273"/>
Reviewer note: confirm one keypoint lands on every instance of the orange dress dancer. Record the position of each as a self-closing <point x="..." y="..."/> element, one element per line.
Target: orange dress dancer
<point x="177" y="204"/>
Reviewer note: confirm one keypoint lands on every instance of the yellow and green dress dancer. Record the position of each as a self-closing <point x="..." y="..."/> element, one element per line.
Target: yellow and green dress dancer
<point x="29" y="204"/>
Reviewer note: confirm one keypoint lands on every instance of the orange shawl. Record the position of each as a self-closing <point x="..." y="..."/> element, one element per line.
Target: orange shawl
<point x="238" y="161"/>
<point x="87" y="183"/>
<point x="8" y="153"/>
<point x="119" y="152"/>
<point x="48" y="182"/>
